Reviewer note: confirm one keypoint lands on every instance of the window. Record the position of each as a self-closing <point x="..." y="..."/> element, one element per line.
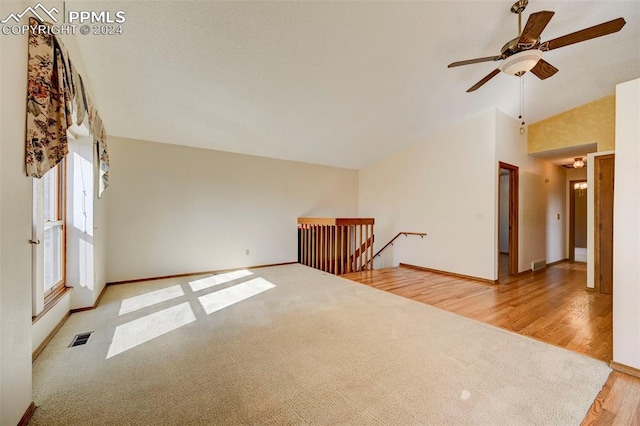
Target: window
<point x="49" y="237"/>
<point x="54" y="231"/>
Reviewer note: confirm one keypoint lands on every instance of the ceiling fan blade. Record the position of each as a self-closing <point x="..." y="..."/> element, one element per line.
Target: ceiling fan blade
<point x="534" y="27"/>
<point x="544" y="69"/>
<point x="484" y="80"/>
<point x="586" y="34"/>
<point x="473" y="61"/>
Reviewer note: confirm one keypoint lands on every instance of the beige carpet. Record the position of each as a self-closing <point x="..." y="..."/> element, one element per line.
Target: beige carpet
<point x="293" y="345"/>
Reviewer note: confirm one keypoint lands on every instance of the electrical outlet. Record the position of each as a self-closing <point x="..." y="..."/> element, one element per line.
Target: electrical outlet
<point x="246" y="252"/>
<point x="558" y="216"/>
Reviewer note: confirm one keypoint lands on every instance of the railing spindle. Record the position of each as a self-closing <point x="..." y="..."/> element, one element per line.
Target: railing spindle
<point x="316" y="241"/>
<point x="313" y="246"/>
<point x="359" y="248"/>
<point x="319" y="253"/>
<point x="371" y="248"/>
<point x="341" y="255"/>
<point x="304" y="245"/>
<point x="324" y="249"/>
<point x="332" y="246"/>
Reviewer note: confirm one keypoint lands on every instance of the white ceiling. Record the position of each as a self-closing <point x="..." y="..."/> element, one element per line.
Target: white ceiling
<point x="335" y="83"/>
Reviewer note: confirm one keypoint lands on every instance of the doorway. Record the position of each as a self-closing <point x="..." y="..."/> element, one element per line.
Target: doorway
<point x="578" y="220"/>
<point x="603" y="197"/>
<point x="508" y="177"/>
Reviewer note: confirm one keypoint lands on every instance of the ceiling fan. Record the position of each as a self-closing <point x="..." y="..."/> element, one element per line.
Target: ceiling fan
<point x="524" y="53"/>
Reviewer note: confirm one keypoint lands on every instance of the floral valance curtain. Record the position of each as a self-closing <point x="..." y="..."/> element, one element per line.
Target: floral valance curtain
<point x="54" y="89"/>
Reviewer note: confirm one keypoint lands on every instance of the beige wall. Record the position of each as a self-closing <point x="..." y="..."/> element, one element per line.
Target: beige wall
<point x="15" y="227"/>
<point x="626" y="227"/>
<point x="541" y="230"/>
<point x="444" y="186"/>
<point x="447" y="186"/>
<point x="589" y="123"/>
<point x="174" y="209"/>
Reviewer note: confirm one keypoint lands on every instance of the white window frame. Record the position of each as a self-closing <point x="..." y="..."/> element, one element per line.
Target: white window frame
<point x="41" y="297"/>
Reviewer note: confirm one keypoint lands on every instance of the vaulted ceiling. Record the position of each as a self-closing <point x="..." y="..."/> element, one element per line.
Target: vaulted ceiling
<point x="335" y="83"/>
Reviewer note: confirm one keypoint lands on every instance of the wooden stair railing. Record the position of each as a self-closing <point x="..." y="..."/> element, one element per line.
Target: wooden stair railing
<point x="362" y="249"/>
<point x="336" y="245"/>
<point x="390" y="243"/>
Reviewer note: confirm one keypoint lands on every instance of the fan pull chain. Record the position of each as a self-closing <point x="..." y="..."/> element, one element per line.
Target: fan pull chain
<point x="521" y="116"/>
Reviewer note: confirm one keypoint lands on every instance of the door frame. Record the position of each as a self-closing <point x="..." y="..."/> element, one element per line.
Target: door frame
<point x="514" y="173"/>
<point x="596" y="218"/>
<point x="572" y="218"/>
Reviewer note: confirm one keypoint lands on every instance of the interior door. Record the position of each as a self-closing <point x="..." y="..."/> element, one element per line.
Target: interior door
<point x="604" y="178"/>
<point x="514" y="173"/>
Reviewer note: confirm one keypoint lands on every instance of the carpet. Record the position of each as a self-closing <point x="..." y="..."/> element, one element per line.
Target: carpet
<point x="294" y="345"/>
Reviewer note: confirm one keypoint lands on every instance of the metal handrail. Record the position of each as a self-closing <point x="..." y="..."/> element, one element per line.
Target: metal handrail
<point x="390" y="243"/>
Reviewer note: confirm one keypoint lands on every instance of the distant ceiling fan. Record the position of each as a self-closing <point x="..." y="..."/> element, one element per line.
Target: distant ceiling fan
<point x="524" y="53"/>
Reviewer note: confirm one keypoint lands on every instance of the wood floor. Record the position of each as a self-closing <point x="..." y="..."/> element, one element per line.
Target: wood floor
<point x="617" y="404"/>
<point x="552" y="305"/>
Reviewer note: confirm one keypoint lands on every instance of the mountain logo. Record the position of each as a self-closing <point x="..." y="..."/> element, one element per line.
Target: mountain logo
<point x="39" y="11"/>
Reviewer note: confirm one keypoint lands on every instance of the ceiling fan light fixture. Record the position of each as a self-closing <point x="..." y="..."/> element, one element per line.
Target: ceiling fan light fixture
<point x="521" y="62"/>
<point x="518" y="55"/>
<point x="578" y="163"/>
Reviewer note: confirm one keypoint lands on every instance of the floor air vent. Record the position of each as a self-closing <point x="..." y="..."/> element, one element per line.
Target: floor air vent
<point x="538" y="265"/>
<point x="80" y="339"/>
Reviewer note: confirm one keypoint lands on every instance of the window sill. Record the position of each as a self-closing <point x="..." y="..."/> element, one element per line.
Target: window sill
<point x="51" y="303"/>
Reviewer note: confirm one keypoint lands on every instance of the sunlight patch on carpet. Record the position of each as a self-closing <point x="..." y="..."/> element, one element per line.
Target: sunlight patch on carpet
<point x="214" y="302"/>
<point x="141" y="330"/>
<point x="132" y="304"/>
<point x="219" y="279"/>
